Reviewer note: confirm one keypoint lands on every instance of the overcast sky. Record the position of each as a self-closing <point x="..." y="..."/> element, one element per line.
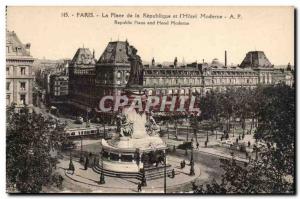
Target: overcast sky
<point x="269" y="29"/>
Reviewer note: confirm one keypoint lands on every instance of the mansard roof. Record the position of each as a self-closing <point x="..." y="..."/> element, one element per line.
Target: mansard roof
<point x="83" y="56"/>
<point x="256" y="59"/>
<point x="14" y="46"/>
<point x="116" y="53"/>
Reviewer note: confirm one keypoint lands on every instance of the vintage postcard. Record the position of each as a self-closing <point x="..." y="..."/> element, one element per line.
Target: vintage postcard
<point x="150" y="100"/>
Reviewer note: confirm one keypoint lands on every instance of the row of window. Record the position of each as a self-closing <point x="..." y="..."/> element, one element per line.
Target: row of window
<point x="233" y="73"/>
<point x="22" y="99"/>
<point x="172" y="72"/>
<point x="172" y="91"/>
<point x="172" y="81"/>
<point x="233" y="81"/>
<point x="22" y="86"/>
<point x="22" y="70"/>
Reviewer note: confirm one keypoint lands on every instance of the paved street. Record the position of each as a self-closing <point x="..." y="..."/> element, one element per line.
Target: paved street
<point x="87" y="180"/>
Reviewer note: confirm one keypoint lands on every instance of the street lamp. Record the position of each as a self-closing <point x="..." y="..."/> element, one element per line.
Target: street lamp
<point x="81" y="156"/>
<point x="104" y="131"/>
<point x="87" y="117"/>
<point x="137" y="157"/>
<point x="165" y="172"/>
<point x="71" y="165"/>
<point x="168" y="130"/>
<point x="206" y="136"/>
<point x="176" y="131"/>
<point x="255" y="148"/>
<point x="102" y="180"/>
<point x="187" y="133"/>
<point x="144" y="181"/>
<point x="192" y="170"/>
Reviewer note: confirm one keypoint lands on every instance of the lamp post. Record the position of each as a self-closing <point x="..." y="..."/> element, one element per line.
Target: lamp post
<point x="165" y="172"/>
<point x="144" y="181"/>
<point x="192" y="170"/>
<point x="168" y="130"/>
<point x="137" y="157"/>
<point x="102" y="179"/>
<point x="104" y="131"/>
<point x="71" y="165"/>
<point x="255" y="148"/>
<point x="81" y="156"/>
<point x="87" y="117"/>
<point x="187" y="133"/>
<point x="206" y="136"/>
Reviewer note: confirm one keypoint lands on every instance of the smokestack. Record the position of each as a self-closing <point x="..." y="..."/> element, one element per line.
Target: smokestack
<point x="225" y="58"/>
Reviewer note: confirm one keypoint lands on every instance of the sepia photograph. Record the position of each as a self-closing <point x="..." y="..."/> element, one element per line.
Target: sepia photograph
<point x="180" y="100"/>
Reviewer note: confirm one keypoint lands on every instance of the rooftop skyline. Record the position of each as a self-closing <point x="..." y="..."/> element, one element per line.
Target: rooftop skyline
<point x="268" y="29"/>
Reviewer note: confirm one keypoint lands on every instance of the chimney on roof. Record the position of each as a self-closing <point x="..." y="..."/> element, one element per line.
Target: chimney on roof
<point x="175" y="62"/>
<point x="225" y="58"/>
<point x="93" y="53"/>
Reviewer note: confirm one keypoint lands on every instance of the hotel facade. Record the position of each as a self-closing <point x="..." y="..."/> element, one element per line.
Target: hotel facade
<point x="91" y="79"/>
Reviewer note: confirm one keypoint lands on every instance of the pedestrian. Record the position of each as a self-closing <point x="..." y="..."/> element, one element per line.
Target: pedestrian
<point x="222" y="138"/>
<point x="205" y="143"/>
<point x="239" y="137"/>
<point x="237" y="140"/>
<point x="173" y="173"/>
<point x="139" y="187"/>
<point x="183" y="163"/>
<point x="94" y="161"/>
<point x="86" y="163"/>
<point x="246" y="154"/>
<point x="249" y="144"/>
<point x="197" y="145"/>
<point x="243" y="136"/>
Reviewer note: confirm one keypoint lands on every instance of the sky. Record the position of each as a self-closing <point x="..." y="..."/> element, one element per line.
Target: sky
<point x="268" y="29"/>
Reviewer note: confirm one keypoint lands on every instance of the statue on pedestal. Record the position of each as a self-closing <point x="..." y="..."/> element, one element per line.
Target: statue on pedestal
<point x="136" y="70"/>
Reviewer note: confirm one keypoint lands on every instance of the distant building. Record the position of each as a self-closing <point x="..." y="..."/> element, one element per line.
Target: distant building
<point x="19" y="78"/>
<point x="47" y="72"/>
<point x="90" y="79"/>
<point x="59" y="88"/>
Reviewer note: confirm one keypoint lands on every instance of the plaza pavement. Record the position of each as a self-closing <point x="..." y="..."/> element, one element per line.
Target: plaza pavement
<point x="87" y="180"/>
<point x="214" y="146"/>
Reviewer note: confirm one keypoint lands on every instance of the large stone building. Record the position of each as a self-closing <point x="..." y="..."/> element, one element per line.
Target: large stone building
<point x="82" y="77"/>
<point x="90" y="79"/>
<point x="19" y="78"/>
<point x="204" y="77"/>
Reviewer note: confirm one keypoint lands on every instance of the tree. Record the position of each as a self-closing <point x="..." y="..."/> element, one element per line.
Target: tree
<point x="227" y="106"/>
<point x="210" y="111"/>
<point x="243" y="105"/>
<point x="274" y="171"/>
<point x="29" y="139"/>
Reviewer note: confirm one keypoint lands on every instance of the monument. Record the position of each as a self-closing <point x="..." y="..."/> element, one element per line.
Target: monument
<point x="136" y="150"/>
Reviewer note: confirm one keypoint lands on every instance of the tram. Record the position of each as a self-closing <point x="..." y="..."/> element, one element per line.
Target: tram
<point x="90" y="132"/>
